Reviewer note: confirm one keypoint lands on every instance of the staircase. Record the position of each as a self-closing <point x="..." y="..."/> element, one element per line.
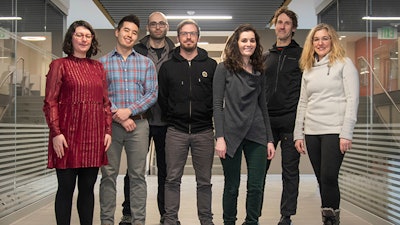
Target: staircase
<point x="363" y="115"/>
<point x="25" y="110"/>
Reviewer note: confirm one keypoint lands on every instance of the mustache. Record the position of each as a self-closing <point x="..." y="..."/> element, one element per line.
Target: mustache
<point x="188" y="41"/>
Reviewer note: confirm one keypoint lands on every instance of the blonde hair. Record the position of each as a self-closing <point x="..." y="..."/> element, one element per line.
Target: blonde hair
<point x="308" y="55"/>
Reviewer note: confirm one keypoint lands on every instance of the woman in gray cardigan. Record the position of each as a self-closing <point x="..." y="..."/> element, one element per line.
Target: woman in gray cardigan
<point x="242" y="122"/>
<point x="327" y="112"/>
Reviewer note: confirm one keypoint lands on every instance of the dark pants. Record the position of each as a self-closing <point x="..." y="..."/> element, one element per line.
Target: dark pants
<point x="256" y="157"/>
<point x="326" y="159"/>
<point x="201" y="146"/>
<point x="282" y="129"/>
<point x="158" y="135"/>
<point x="66" y="185"/>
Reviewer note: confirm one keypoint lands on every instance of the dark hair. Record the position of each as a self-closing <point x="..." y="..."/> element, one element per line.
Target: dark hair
<point x="129" y="18"/>
<point x="232" y="57"/>
<point x="185" y="22"/>
<point x="67" y="44"/>
<point x="292" y="15"/>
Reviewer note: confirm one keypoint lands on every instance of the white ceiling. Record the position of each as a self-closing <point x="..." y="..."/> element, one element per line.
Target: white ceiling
<point x="78" y="10"/>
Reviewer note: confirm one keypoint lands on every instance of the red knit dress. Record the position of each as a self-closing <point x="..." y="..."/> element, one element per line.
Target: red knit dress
<point x="76" y="105"/>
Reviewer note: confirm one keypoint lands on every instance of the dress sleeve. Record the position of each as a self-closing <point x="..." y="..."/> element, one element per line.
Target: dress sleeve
<point x="218" y="99"/>
<point x="52" y="93"/>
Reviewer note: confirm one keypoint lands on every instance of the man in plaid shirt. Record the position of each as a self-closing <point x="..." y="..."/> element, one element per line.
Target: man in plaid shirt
<point x="132" y="89"/>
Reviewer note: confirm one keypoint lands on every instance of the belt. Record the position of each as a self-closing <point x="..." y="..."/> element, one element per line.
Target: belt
<point x="139" y="116"/>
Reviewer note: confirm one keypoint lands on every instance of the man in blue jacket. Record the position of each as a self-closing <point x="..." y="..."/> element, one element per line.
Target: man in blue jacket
<point x="185" y="98"/>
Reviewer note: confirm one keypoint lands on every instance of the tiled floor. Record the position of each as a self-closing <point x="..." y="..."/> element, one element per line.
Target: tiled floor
<point x="307" y="213"/>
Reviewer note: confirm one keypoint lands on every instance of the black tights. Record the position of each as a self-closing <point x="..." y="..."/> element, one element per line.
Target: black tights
<point x="326" y="159"/>
<point x="66" y="185"/>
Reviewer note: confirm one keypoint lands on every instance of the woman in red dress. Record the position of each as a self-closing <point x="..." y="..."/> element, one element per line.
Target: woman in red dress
<point x="77" y="111"/>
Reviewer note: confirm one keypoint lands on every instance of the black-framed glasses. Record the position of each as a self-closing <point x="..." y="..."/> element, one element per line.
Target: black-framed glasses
<point x="193" y="33"/>
<point x="160" y="24"/>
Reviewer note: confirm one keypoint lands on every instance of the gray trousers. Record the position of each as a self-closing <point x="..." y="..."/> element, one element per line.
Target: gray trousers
<point x="177" y="146"/>
<point x="136" y="145"/>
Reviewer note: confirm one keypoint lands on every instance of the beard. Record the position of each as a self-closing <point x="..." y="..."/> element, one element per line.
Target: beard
<point x="190" y="48"/>
<point x="158" y="37"/>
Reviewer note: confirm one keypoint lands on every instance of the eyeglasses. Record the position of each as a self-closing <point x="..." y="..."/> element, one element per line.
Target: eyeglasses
<point x="160" y="24"/>
<point x="323" y="39"/>
<point x="81" y="36"/>
<point x="193" y="33"/>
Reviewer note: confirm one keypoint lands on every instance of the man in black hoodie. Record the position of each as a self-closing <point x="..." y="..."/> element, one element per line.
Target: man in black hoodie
<point x="283" y="77"/>
<point x="185" y="98"/>
<point x="158" y="47"/>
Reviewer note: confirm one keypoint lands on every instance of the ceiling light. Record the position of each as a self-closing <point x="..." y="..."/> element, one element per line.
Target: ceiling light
<point x="10" y="18"/>
<point x="177" y="17"/>
<point x="33" y="38"/>
<point x="381" y="18"/>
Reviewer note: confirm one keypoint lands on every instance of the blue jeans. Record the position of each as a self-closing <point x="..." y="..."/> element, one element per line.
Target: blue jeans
<point x="326" y="159"/>
<point x="256" y="160"/>
<point x="136" y="146"/>
<point x="176" y="151"/>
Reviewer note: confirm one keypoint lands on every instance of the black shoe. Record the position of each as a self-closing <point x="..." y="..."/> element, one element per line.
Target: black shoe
<point x="161" y="223"/>
<point x="162" y="220"/>
<point x="125" y="220"/>
<point x="285" y="220"/>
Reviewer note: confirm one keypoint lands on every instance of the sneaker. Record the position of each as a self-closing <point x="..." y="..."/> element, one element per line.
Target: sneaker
<point x="285" y="220"/>
<point x="125" y="220"/>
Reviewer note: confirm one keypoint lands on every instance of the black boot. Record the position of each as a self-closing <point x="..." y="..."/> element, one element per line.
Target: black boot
<point x="330" y="216"/>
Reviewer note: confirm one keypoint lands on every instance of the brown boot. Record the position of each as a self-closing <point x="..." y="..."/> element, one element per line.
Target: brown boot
<point x="330" y="216"/>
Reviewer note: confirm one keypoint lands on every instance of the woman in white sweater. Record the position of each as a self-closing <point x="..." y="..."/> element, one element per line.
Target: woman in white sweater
<point x="326" y="113"/>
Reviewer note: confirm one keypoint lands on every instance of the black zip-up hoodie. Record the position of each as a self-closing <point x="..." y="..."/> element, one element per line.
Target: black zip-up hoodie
<point x="283" y="77"/>
<point x="185" y="91"/>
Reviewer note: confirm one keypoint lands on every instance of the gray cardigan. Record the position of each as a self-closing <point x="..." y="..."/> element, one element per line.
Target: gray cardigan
<point x="328" y="100"/>
<point x="240" y="108"/>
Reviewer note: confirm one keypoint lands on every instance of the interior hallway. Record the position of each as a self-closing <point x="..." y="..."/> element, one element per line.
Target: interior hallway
<point x="307" y="213"/>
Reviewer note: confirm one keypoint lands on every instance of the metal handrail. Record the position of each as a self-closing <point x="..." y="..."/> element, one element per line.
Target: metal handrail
<point x="9" y="75"/>
<point x="380" y="84"/>
<point x="11" y="72"/>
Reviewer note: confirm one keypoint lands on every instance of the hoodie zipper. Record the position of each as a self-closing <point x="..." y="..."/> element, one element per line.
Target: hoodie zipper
<point x="190" y="97"/>
<point x="280" y="66"/>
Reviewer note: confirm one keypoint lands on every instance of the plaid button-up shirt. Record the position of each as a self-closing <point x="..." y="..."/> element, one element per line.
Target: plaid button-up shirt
<point x="132" y="83"/>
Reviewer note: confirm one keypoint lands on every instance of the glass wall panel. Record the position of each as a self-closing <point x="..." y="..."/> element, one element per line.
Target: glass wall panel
<point x="27" y="46"/>
<point x="370" y="174"/>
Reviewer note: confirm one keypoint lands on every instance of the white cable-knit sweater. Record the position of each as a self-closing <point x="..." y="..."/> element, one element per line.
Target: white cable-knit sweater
<point x="328" y="100"/>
